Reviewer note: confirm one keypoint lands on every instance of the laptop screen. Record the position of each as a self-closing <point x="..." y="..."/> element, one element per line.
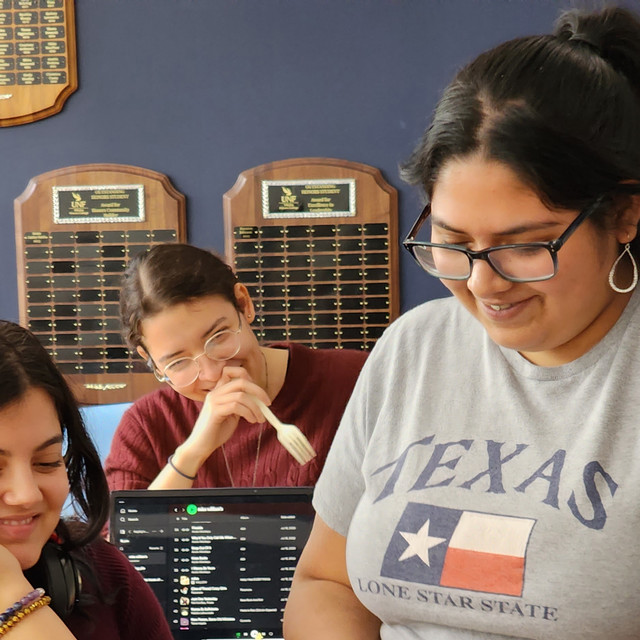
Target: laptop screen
<point x="220" y="561"/>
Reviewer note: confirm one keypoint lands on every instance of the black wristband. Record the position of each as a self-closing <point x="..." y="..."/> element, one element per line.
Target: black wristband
<point x="180" y="473"/>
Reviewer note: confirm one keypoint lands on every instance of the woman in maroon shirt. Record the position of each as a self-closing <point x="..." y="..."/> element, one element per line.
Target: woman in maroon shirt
<point x="187" y="315"/>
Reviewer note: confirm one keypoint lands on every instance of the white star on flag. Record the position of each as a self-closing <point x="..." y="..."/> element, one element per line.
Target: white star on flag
<point x="420" y="543"/>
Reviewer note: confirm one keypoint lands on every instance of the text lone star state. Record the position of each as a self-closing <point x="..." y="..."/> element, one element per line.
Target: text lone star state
<point x="420" y="543"/>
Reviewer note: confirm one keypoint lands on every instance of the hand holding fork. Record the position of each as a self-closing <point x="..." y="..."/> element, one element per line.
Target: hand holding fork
<point x="290" y="437"/>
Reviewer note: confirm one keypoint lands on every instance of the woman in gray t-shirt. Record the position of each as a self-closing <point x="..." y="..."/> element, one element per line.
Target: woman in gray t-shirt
<point x="484" y="479"/>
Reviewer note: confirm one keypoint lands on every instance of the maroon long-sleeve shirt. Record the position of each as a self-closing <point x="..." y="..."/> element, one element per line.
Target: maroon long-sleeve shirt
<point x="315" y="392"/>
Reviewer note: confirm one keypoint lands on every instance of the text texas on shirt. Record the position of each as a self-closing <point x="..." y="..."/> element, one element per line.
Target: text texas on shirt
<point x="472" y="550"/>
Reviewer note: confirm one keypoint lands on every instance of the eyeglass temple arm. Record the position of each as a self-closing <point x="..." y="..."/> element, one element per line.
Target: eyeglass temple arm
<point x="558" y="243"/>
<point x="418" y="223"/>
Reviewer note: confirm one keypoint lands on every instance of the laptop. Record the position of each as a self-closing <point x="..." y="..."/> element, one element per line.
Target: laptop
<point x="219" y="560"/>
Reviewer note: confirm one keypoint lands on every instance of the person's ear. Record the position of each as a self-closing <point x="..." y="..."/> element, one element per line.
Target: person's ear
<point x="627" y="228"/>
<point x="147" y="358"/>
<point x="244" y="302"/>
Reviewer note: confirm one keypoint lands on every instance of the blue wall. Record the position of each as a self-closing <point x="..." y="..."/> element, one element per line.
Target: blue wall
<point x="203" y="89"/>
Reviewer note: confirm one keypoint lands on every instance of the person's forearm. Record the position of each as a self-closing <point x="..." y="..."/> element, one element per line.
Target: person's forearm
<point x="180" y="472"/>
<point x="169" y="479"/>
<point x="320" y="609"/>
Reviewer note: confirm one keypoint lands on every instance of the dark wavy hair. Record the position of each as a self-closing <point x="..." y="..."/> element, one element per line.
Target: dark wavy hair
<point x="25" y="364"/>
<point x="166" y="275"/>
<point x="561" y="110"/>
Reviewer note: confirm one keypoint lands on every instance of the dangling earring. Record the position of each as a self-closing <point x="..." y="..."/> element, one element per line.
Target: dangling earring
<point x="632" y="286"/>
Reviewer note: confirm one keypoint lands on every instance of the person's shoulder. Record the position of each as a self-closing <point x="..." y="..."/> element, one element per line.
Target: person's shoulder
<point x="432" y="323"/>
<point x="302" y="351"/>
<point x="439" y="311"/>
<point x="123" y="588"/>
<point x="102" y="552"/>
<point x="107" y="566"/>
<point x="433" y="308"/>
<point x="308" y="358"/>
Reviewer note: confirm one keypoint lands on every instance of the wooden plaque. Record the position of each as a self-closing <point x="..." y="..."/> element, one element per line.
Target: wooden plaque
<point x="76" y="229"/>
<point x="38" y="68"/>
<point x="315" y="240"/>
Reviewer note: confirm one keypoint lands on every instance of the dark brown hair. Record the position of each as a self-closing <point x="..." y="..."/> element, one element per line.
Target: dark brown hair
<point x="561" y="110"/>
<point x="25" y="364"/>
<point x="167" y="275"/>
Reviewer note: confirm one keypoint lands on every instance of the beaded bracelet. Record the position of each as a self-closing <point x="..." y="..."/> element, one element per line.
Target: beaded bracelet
<point x="36" y="594"/>
<point x="19" y="615"/>
<point x="180" y="473"/>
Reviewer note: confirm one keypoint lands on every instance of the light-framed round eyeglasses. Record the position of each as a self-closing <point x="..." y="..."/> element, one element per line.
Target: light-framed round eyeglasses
<point x="184" y="371"/>
<point x="524" y="262"/>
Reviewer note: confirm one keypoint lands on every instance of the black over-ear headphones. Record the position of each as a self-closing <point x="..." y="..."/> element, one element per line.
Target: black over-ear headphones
<point x="57" y="574"/>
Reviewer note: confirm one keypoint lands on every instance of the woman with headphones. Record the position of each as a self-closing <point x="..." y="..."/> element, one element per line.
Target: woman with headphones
<point x="59" y="578"/>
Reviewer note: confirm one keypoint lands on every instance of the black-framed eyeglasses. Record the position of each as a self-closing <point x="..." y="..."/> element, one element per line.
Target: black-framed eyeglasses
<point x="524" y="262"/>
<point x="221" y="346"/>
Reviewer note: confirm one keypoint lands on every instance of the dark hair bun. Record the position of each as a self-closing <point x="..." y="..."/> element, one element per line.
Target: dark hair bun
<point x="613" y="33"/>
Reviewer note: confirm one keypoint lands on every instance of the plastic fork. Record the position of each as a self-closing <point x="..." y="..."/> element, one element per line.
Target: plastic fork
<point x="290" y="437"/>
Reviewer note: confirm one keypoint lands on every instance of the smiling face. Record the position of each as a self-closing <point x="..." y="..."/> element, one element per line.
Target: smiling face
<point x="33" y="477"/>
<point x="182" y="329"/>
<point x="478" y="203"/>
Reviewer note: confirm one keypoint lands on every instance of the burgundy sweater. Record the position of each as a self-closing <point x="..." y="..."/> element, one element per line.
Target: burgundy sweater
<point x="130" y="610"/>
<point x="316" y="389"/>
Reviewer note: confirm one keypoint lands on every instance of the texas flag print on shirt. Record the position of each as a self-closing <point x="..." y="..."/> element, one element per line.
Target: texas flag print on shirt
<point x="460" y="549"/>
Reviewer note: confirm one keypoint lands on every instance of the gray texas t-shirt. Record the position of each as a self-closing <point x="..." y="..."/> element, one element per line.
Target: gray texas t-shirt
<point x="484" y="496"/>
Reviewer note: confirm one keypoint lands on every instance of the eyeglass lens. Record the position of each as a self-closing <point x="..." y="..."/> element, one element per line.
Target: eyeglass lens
<point x="220" y="347"/>
<point x="521" y="263"/>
